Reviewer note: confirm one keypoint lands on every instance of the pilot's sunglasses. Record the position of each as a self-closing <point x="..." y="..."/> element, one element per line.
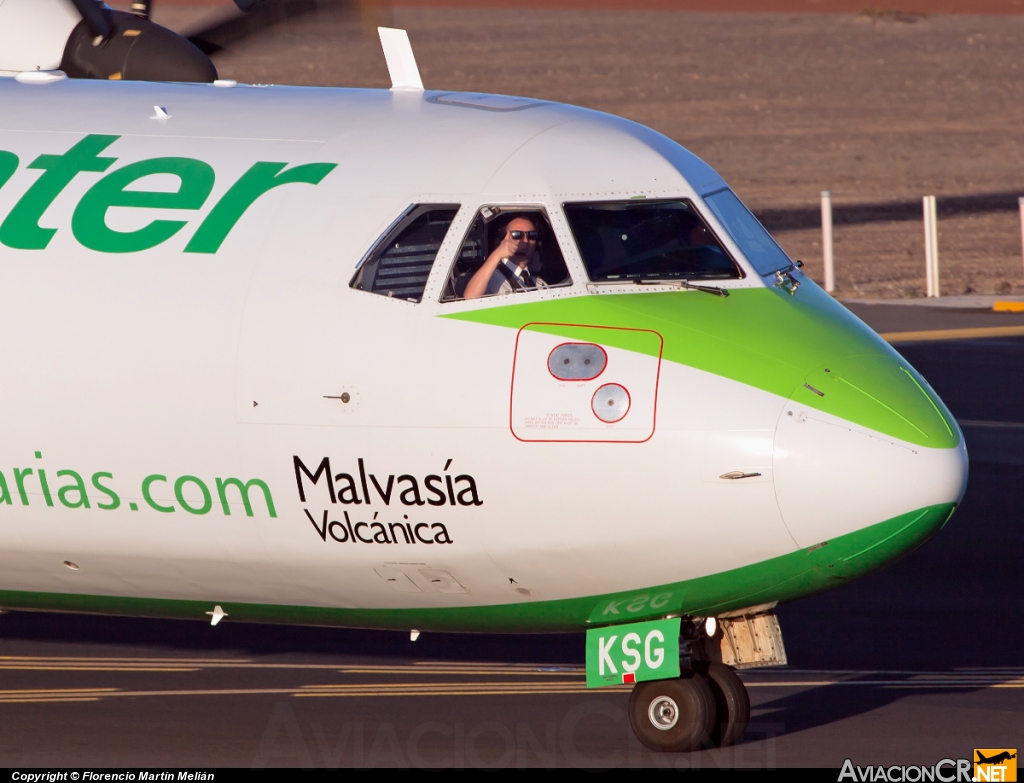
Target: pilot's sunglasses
<point x="517" y="235"/>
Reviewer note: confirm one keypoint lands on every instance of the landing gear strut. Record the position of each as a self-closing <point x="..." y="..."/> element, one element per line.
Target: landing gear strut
<point x="706" y="707"/>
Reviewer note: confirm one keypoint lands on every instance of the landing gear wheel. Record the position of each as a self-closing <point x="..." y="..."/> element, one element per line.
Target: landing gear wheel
<point x="731" y="702"/>
<point x="673" y="715"/>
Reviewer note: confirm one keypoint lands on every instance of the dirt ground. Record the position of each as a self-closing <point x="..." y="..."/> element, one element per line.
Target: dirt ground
<point x="881" y="108"/>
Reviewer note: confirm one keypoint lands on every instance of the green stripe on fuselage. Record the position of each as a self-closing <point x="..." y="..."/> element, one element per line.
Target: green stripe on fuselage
<point x="783" y="578"/>
<point x="767" y="339"/>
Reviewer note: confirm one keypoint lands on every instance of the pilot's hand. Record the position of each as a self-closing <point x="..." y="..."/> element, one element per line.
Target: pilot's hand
<point x="508" y="247"/>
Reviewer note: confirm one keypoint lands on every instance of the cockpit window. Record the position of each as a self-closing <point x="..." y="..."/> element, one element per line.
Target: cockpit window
<point x="508" y="250"/>
<point x="746" y="231"/>
<point x="647" y="240"/>
<point x="400" y="263"/>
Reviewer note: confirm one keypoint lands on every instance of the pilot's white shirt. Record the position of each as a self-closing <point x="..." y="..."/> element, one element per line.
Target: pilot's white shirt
<point x="499" y="284"/>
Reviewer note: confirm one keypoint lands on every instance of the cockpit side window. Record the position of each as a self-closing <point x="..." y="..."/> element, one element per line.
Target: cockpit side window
<point x="753" y="239"/>
<point x="507" y="250"/>
<point x="647" y="241"/>
<point x="400" y="262"/>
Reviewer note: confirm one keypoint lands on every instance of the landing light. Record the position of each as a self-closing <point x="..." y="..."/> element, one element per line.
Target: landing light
<point x="710" y="626"/>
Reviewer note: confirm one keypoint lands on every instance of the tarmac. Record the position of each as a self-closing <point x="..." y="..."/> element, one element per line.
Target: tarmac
<point x="947" y="318"/>
<point x="960" y="302"/>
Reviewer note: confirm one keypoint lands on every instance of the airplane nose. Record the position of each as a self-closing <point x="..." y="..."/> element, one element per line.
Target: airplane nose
<point x="905" y="455"/>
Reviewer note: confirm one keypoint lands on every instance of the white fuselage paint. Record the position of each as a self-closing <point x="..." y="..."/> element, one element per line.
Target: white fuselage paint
<point x="217" y="365"/>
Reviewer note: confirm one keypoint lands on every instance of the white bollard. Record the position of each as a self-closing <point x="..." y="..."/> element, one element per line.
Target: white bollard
<point x="1020" y="203"/>
<point x="931" y="246"/>
<point x="826" y="239"/>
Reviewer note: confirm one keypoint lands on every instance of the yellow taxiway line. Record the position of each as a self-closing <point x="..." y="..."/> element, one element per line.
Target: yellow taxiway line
<point x="459" y="670"/>
<point x="125" y="665"/>
<point x="52" y="691"/>
<point x="102" y="659"/>
<point x="393" y="690"/>
<point x="353" y="690"/>
<point x="83" y="668"/>
<point x="26" y="663"/>
<point x="953" y="334"/>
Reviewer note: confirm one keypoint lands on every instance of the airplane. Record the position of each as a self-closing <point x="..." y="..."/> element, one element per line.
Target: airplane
<point x="243" y="379"/>
<point x="996" y="759"/>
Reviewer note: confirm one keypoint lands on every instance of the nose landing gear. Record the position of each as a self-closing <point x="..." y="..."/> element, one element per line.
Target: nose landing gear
<point x="673" y="715"/>
<point x="706" y="707"/>
<point x="732" y="705"/>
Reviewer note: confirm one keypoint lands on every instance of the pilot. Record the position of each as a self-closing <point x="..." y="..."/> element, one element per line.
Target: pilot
<point x="511" y="267"/>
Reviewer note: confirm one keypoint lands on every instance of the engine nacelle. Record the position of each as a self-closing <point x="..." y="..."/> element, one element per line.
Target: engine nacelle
<point x="51" y="34"/>
<point x="34" y="33"/>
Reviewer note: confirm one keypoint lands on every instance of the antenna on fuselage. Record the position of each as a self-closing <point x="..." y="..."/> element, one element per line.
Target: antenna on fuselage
<point x="405" y="75"/>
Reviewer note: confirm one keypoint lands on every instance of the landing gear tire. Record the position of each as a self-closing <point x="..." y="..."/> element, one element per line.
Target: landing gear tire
<point x="673" y="715"/>
<point x="731" y="702"/>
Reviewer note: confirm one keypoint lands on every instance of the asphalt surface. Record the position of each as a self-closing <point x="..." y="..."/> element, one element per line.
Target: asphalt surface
<point x="918" y="662"/>
<point x="918" y="317"/>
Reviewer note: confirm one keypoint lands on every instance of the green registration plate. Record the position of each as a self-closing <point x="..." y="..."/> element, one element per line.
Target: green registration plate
<point x="633" y="653"/>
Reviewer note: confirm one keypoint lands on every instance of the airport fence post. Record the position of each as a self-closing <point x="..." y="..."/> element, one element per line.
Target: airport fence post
<point x="1020" y="203"/>
<point x="826" y="239"/>
<point x="931" y="246"/>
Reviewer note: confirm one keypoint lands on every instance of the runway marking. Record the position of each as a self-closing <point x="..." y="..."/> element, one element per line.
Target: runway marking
<point x="455" y="679"/>
<point x="968" y="676"/>
<point x="47" y="701"/>
<point x="953" y="334"/>
<point x="1001" y="425"/>
<point x="54" y="695"/>
<point x="83" y="668"/>
<point x="494" y="688"/>
<point x="437" y="691"/>
<point x="448" y="689"/>
<point x="456" y="667"/>
<point x="889" y="683"/>
<point x="65" y="658"/>
<point x="51" y="691"/>
<point x="462" y="670"/>
<point x="368" y="690"/>
<point x="11" y="663"/>
<point x="416" y="686"/>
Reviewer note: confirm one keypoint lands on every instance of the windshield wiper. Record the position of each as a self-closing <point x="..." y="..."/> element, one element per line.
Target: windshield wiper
<point x="707" y="289"/>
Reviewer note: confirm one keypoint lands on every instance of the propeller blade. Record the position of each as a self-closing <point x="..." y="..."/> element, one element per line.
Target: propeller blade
<point x="96" y="17"/>
<point x="263" y="15"/>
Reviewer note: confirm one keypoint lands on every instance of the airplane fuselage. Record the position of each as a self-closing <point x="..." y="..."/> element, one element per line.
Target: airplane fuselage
<point x="199" y="407"/>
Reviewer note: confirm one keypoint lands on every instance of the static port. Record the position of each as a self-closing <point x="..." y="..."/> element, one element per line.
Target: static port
<point x="611" y="403"/>
<point x="577" y="361"/>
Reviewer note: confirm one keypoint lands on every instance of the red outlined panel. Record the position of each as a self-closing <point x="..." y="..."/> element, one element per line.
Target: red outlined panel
<point x="544" y="408"/>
